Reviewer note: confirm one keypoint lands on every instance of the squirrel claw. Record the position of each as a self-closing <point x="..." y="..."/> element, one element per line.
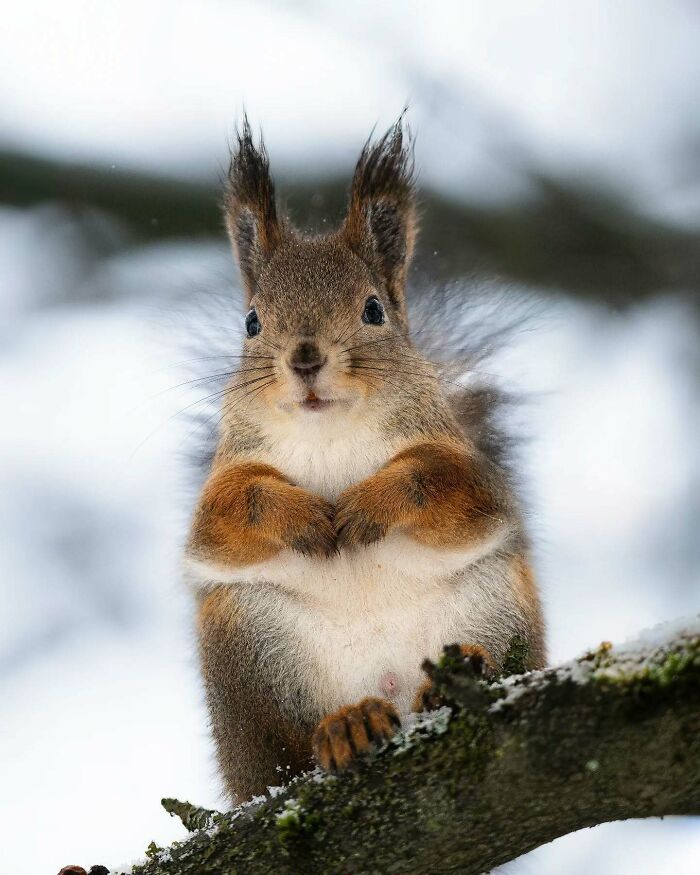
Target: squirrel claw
<point x="315" y="543"/>
<point x="353" y="731"/>
<point x="429" y="698"/>
<point x="359" y="532"/>
<point x="318" y="538"/>
<point x="354" y="527"/>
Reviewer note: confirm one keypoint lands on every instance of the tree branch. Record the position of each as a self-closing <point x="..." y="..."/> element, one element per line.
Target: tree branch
<point x="514" y="764"/>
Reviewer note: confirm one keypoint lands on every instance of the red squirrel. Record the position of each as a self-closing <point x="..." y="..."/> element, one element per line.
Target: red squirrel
<point x="351" y="525"/>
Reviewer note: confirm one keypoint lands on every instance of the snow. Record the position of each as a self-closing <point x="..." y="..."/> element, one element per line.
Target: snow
<point x="660" y="635"/>
<point x="514" y="690"/>
<point x="289" y="815"/>
<point x="647" y="846"/>
<point x="417" y="726"/>
<point x="101" y="704"/>
<point x="630" y="659"/>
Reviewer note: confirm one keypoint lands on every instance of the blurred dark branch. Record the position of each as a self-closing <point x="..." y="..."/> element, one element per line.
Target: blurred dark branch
<point x="151" y="206"/>
<point x="577" y="237"/>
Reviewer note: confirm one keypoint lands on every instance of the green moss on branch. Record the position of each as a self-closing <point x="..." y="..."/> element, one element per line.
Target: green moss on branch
<point x="513" y="765"/>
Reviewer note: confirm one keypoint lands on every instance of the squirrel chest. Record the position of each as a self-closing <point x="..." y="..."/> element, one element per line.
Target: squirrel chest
<point x="362" y="622"/>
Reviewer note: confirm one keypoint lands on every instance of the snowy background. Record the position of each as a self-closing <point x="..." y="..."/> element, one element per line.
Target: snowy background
<point x="101" y="711"/>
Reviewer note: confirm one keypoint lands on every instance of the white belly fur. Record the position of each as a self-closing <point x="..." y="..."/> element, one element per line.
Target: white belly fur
<point x="344" y="623"/>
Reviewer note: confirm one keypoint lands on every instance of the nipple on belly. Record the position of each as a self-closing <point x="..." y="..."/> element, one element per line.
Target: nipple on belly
<point x="389" y="684"/>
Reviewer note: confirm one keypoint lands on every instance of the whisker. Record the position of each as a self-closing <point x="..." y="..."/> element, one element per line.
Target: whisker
<point x="379" y="340"/>
<point x="226" y="408"/>
<point x="211" y="377"/>
<point x="397" y="356"/>
<point x="219" y="393"/>
<point x="208" y="358"/>
<point x="266" y="342"/>
<point x="410" y="374"/>
<point x="466" y="367"/>
<point x="346" y="337"/>
<point x="374" y="367"/>
<point x="378" y="379"/>
<point x="245" y="355"/>
<point x="238" y="386"/>
<point x="211" y="397"/>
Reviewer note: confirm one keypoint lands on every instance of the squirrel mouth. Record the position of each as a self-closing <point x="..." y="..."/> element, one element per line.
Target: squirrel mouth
<point x="313" y="402"/>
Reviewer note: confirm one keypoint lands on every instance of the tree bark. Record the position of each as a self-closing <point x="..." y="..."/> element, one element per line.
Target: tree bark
<point x="509" y="766"/>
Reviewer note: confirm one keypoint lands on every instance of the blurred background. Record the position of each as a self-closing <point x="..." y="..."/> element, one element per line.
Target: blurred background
<point x="559" y="154"/>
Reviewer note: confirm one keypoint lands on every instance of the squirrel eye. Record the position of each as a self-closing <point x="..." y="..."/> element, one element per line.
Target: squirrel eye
<point x="252" y="323"/>
<point x="373" y="313"/>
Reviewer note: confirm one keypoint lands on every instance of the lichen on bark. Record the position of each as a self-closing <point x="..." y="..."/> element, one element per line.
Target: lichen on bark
<point x="513" y="764"/>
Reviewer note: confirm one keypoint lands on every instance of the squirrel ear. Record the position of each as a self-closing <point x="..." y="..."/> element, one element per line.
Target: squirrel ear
<point x="249" y="207"/>
<point x="381" y="222"/>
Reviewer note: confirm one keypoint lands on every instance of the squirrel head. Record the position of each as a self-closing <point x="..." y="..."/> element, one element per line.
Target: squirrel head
<point x="326" y="319"/>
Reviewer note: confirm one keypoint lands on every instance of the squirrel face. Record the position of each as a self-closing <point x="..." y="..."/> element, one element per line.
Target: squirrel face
<point x="326" y="323"/>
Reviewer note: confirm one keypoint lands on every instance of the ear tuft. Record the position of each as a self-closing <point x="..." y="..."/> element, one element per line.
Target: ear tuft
<point x="381" y="222"/>
<point x="249" y="206"/>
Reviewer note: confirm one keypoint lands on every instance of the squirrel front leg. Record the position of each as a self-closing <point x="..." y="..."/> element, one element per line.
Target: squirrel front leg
<point x="249" y="512"/>
<point x="437" y="492"/>
<point x="428" y="697"/>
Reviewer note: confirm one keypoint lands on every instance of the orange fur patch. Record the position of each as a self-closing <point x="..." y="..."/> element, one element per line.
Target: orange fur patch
<point x="247" y="513"/>
<point x="434" y="491"/>
<point x="217" y="606"/>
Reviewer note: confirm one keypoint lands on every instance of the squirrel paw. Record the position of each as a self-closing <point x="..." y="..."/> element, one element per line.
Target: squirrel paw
<point x="314" y="534"/>
<point x="355" y="524"/>
<point x="428" y="698"/>
<point x="352" y="731"/>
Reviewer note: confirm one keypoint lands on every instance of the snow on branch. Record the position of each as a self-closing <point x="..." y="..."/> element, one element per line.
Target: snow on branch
<point x="508" y="766"/>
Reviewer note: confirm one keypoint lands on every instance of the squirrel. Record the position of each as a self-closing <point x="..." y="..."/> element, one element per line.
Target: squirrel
<point x="351" y="524"/>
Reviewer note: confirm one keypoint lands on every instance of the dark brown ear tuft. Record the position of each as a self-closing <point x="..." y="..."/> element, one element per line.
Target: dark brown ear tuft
<point x="381" y="223"/>
<point x="249" y="207"/>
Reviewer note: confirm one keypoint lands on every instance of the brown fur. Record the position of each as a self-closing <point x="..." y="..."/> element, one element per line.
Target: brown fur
<point x="435" y="491"/>
<point x="248" y="513"/>
<point x="381" y="222"/>
<point x="250" y="209"/>
<point x="258" y="743"/>
<point x="443" y="486"/>
<point x="526" y="587"/>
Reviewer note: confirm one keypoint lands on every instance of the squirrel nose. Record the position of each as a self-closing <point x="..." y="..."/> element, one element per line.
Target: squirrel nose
<point x="306" y="360"/>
